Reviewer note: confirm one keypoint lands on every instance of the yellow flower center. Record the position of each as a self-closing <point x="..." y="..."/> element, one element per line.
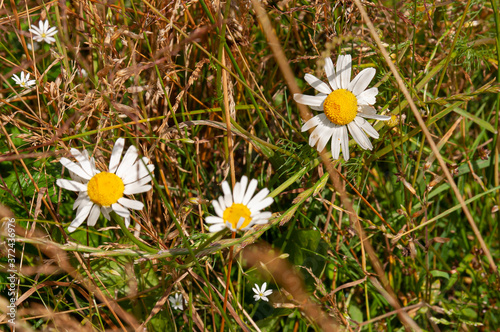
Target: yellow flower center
<point x="235" y="212"/>
<point x="44" y="35"/>
<point x="341" y="107"/>
<point x="105" y="189"/>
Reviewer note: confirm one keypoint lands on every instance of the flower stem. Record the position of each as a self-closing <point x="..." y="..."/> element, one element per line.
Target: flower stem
<point x="131" y="236"/>
<point x="228" y="278"/>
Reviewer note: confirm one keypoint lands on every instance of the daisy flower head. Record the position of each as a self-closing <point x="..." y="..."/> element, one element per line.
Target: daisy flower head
<point x="261" y="293"/>
<point x="103" y="192"/>
<point x="23" y="81"/>
<point x="176" y="301"/>
<point x="43" y="32"/>
<point x="237" y="210"/>
<point x="345" y="104"/>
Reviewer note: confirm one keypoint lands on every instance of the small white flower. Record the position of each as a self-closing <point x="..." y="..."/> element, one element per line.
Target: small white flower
<point x="24" y="81"/>
<point x="238" y="211"/>
<point x="43" y="32"/>
<point x="35" y="47"/>
<point x="102" y="192"/>
<point x="262" y="293"/>
<point x="176" y="301"/>
<point x="83" y="73"/>
<point x="345" y="104"/>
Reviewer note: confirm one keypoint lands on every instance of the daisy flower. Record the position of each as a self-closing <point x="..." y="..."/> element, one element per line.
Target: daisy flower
<point x="102" y="192"/>
<point x="346" y="105"/>
<point x="24" y="81"/>
<point x="43" y="32"/>
<point x="176" y="301"/>
<point x="238" y="211"/>
<point x="262" y="293"/>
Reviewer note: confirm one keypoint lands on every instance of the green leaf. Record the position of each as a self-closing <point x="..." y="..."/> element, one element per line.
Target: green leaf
<point x="355" y="313"/>
<point x="484" y="124"/>
<point x="440" y="274"/>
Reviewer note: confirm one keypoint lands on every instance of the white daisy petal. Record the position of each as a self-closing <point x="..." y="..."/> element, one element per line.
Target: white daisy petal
<point x="83" y="161"/>
<point x="52" y="31"/>
<point x="135" y="188"/>
<point x="330" y="73"/>
<point x="138" y="171"/>
<point x="81" y="215"/>
<point x="228" y="197"/>
<point x="105" y="212"/>
<point x="336" y="139"/>
<point x="366" y="127"/>
<point x="240" y="223"/>
<point x="316" y="134"/>
<point x="128" y="160"/>
<point x="16" y="79"/>
<point x="313" y="122"/>
<point x="93" y="215"/>
<point x="359" y="136"/>
<point x="217" y="208"/>
<point x="131" y="204"/>
<point x="83" y="198"/>
<point x="367" y="97"/>
<point x="236" y="191"/>
<point x="262" y="204"/>
<point x="344" y="141"/>
<point x="120" y="210"/>
<point x="71" y="185"/>
<point x="258" y="198"/>
<point x="214" y="220"/>
<point x="375" y="116"/>
<point x="317" y="84"/>
<point x="343" y="71"/>
<point x="239" y="189"/>
<point x="36" y="31"/>
<point x="75" y="168"/>
<point x="116" y="154"/>
<point x="325" y="136"/>
<point x="216" y="228"/>
<point x="145" y="180"/>
<point x="361" y="81"/>
<point x="366" y="110"/>
<point x="309" y="100"/>
<point x="263" y="215"/>
<point x="222" y="203"/>
<point x="250" y="191"/>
